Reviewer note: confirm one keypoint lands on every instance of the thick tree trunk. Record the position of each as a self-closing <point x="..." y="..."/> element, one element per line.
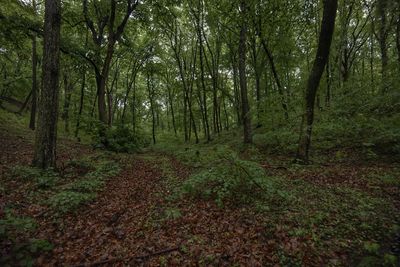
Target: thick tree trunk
<point x="324" y="44"/>
<point x="102" y="84"/>
<point x="46" y="133"/>
<point x="246" y="116"/>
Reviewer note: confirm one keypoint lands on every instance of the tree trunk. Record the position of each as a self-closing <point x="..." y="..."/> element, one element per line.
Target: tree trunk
<point x="257" y="77"/>
<point x="171" y="103"/>
<point x="328" y="85"/>
<point x="398" y="32"/>
<point x="242" y="75"/>
<point x="68" y="87"/>
<point x="276" y="77"/>
<point x="150" y="88"/>
<point x="324" y="44"/>
<point x="382" y="6"/>
<point x="237" y="103"/>
<point x="28" y="97"/>
<point x="46" y="133"/>
<point x="32" y="120"/>
<point x="78" y="121"/>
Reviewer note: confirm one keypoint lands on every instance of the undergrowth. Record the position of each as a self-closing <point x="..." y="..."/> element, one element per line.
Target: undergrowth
<point x="18" y="248"/>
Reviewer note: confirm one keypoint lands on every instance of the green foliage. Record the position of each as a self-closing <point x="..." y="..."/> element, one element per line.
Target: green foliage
<point x="67" y="201"/>
<point x="83" y="190"/>
<point x="119" y="138"/>
<point x="86" y="185"/>
<point x="280" y="140"/>
<point x="371" y="247"/>
<point x="172" y="213"/>
<point x="242" y="182"/>
<point x="43" y="179"/>
<point x="18" y="247"/>
<point x="10" y="226"/>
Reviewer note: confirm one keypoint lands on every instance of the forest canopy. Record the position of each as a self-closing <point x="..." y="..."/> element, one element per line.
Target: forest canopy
<point x="194" y="69"/>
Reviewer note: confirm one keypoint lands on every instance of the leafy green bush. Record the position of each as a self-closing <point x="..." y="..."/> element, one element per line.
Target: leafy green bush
<point x="67" y="201"/>
<point x="242" y="182"/>
<point x="119" y="138"/>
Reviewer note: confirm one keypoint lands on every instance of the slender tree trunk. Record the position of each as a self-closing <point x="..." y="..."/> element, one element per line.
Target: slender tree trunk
<point x="246" y="116"/>
<point x="46" y="133"/>
<point x="110" y="96"/>
<point x="81" y="100"/>
<point x="203" y="85"/>
<point x="68" y="88"/>
<point x="382" y="7"/>
<point x="257" y="78"/>
<point x="324" y="44"/>
<point x="150" y="89"/>
<point x="398" y="32"/>
<point x="134" y="124"/>
<point x="371" y="59"/>
<point x="276" y="77"/>
<point x="28" y="97"/>
<point x="32" y="120"/>
<point x="328" y="85"/>
<point x="237" y="103"/>
<point x="170" y="100"/>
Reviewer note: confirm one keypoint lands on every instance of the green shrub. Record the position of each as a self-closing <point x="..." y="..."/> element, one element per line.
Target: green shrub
<point x="42" y="178"/>
<point x="119" y="138"/>
<point x="17" y="247"/>
<point x="86" y="185"/>
<point x="10" y="226"/>
<point x="67" y="201"/>
<point x="280" y="140"/>
<point x="242" y="182"/>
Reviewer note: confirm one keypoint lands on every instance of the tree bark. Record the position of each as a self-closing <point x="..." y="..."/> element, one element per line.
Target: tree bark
<point x="247" y="138"/>
<point x="83" y="85"/>
<point x="257" y="78"/>
<point x="383" y="34"/>
<point x="32" y="120"/>
<point x="150" y="89"/>
<point x="46" y="133"/>
<point x="68" y="88"/>
<point x="276" y="77"/>
<point x="324" y="44"/>
<point x="102" y="67"/>
<point x="398" y="32"/>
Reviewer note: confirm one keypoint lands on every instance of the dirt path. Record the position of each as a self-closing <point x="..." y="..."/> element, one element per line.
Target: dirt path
<point x="113" y="225"/>
<point x="132" y="222"/>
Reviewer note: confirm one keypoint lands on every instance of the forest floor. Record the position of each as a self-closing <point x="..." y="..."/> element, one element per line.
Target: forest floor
<point x="348" y="214"/>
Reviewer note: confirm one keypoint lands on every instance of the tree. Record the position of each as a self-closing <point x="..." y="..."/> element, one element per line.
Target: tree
<point x="32" y="120"/>
<point x="46" y="133"/>
<point x="324" y="44"/>
<point x="247" y="138"/>
<point x="99" y="34"/>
